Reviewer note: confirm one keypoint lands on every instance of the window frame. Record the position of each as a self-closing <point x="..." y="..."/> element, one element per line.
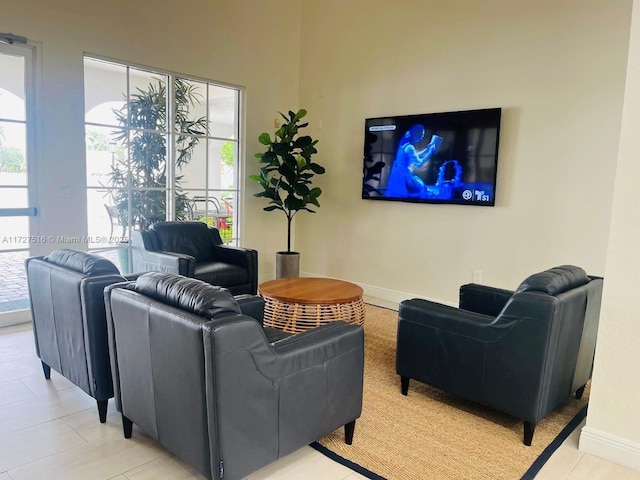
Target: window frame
<point x="172" y="135"/>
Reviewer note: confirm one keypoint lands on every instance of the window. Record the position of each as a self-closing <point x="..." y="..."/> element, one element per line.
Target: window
<point x="159" y="146"/>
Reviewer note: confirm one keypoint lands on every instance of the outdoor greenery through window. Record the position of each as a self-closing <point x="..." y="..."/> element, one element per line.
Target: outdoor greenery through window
<point x="159" y="147"/>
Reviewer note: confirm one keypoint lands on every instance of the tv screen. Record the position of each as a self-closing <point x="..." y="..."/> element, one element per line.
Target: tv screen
<point x="433" y="157"/>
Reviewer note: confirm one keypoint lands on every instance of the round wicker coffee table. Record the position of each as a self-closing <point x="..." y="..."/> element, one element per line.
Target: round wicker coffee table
<point x="298" y="304"/>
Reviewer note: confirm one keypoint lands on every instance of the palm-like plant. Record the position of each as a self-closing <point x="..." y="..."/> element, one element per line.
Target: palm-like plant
<point x="144" y="119"/>
<point x="287" y="170"/>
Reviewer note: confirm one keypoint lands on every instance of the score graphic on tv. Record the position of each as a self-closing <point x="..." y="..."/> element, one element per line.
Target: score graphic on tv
<point x="478" y="195"/>
<point x="432" y="158"/>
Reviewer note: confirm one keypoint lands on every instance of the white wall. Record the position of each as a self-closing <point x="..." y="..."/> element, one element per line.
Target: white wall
<point x="246" y="43"/>
<point x="613" y="423"/>
<point x="557" y="70"/>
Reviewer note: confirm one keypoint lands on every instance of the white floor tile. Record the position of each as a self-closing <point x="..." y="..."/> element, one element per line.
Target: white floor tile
<point x="41" y="386"/>
<point x="43" y="409"/>
<point x="17" y="369"/>
<point x="86" y="424"/>
<point x="95" y="462"/>
<point x="594" y="468"/>
<point x="355" y="476"/>
<point x="32" y="444"/>
<point x="166" y="467"/>
<point x="14" y="391"/>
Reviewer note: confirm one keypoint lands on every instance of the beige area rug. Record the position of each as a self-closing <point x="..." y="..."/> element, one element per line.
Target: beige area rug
<point x="429" y="434"/>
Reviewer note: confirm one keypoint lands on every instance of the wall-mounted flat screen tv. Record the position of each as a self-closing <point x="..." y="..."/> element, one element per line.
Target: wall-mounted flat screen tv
<point x="449" y="157"/>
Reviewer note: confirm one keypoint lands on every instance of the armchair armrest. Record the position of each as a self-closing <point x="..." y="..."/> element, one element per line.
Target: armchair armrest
<point x="318" y="345"/>
<point x="243" y="257"/>
<point x="251" y="306"/>
<point x="451" y="320"/>
<point x="236" y="334"/>
<point x="168" y="262"/>
<point x="145" y="258"/>
<point x="483" y="299"/>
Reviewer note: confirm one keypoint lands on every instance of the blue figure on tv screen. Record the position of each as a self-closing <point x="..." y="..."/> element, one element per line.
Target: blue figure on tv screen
<point x="402" y="180"/>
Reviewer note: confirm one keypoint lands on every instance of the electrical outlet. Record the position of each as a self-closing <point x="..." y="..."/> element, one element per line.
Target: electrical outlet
<point x="477" y="276"/>
<point x="276" y="122"/>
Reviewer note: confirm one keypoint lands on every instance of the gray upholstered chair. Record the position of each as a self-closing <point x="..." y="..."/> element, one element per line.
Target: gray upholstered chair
<point x="218" y="390"/>
<point x="522" y="353"/>
<point x="195" y="250"/>
<point x="69" y="324"/>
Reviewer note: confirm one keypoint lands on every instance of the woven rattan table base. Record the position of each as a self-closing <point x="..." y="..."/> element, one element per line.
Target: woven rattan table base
<point x="298" y="317"/>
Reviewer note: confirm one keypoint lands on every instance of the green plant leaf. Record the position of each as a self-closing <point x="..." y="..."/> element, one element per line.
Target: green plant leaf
<point x="315" y="192"/>
<point x="301" y="189"/>
<point x="317" y="168"/>
<point x="265" y="139"/>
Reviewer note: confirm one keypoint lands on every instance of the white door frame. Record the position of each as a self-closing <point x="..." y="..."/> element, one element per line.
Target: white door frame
<point x="28" y="52"/>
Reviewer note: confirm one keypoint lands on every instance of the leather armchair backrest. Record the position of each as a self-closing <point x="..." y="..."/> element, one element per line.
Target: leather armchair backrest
<point x="589" y="333"/>
<point x="547" y="318"/>
<point x="82" y="262"/>
<point x="158" y="363"/>
<point x="67" y="306"/>
<point x="190" y="294"/>
<point x="555" y="280"/>
<point x="147" y="239"/>
<point x="189" y="238"/>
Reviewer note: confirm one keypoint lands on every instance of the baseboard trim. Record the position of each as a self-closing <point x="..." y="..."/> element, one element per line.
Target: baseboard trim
<point x="392" y="296"/>
<point x="610" y="447"/>
<point x="14" y="318"/>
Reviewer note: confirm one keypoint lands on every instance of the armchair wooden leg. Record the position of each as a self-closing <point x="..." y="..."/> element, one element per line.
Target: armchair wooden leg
<point x="579" y="392"/>
<point x="404" y="385"/>
<point x="127" y="427"/>
<point x="348" y="432"/>
<point x="102" y="410"/>
<point x="529" y="428"/>
<point x="47" y="370"/>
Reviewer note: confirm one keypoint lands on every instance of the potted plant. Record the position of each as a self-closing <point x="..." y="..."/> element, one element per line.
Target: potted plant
<point x="285" y="177"/>
<point x="140" y="197"/>
<point x="144" y="114"/>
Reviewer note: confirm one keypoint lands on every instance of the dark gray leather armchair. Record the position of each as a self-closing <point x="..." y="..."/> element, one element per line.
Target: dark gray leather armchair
<point x="214" y="387"/>
<point x="69" y="323"/>
<point x="193" y="249"/>
<point x="522" y="353"/>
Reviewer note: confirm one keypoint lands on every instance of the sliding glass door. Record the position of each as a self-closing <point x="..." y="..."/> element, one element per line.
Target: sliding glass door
<point x="17" y="199"/>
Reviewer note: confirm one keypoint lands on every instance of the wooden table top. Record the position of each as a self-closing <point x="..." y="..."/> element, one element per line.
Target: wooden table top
<point x="308" y="290"/>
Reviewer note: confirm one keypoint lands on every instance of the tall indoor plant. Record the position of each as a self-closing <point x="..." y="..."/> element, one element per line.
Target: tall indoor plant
<point x="143" y="118"/>
<point x="285" y="177"/>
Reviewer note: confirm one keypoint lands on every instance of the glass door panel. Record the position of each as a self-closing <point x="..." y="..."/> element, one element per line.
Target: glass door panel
<point x="16" y="201"/>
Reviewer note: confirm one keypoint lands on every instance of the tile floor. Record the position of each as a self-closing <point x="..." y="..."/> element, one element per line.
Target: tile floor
<point x="50" y="430"/>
